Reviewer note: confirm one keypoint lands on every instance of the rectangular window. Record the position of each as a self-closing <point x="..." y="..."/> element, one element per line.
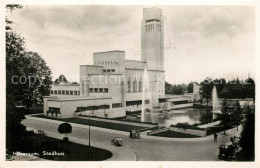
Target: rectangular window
<point x="116" y="105"/>
<point x="90" y="89"/>
<point x="63" y="92"/>
<point x="100" y="90"/>
<point x="75" y="92"/>
<point x="104" y="70"/>
<point x="67" y="92"/>
<point x="59" y="92"/>
<point x="55" y="91"/>
<point x="146" y="101"/>
<point x="71" y="92"/>
<point x="106" y="90"/>
<point x="133" y="103"/>
<point x="51" y="91"/>
<point x="53" y="111"/>
<point x="95" y="89"/>
<point x="112" y="70"/>
<point x="108" y="70"/>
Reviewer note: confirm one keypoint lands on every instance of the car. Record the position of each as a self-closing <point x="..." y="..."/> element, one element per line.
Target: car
<point x="134" y="134"/>
<point x="226" y="152"/>
<point x="117" y="141"/>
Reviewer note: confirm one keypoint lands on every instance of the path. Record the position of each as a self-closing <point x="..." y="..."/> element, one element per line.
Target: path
<point x="144" y="149"/>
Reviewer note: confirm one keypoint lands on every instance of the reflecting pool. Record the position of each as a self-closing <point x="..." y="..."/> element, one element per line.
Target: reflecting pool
<point x="186" y="115"/>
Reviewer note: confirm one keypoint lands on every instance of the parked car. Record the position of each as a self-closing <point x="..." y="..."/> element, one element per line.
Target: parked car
<point x="117" y="141"/>
<point x="134" y="134"/>
<point x="226" y="152"/>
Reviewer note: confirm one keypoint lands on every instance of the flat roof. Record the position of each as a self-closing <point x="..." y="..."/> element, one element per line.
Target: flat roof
<point x="134" y="61"/>
<point x="65" y="84"/>
<point x="60" y="99"/>
<point x="92" y="65"/>
<point x="108" y="51"/>
<point x="105" y="74"/>
<point x="143" y="69"/>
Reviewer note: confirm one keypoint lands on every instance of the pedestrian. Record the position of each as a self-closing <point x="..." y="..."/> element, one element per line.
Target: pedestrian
<point x="215" y="137"/>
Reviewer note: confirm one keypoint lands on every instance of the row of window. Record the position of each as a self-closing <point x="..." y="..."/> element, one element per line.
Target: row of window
<point x="153" y="27"/>
<point x="136" y="102"/>
<point x="105" y="62"/>
<point x="105" y="106"/>
<point x="65" y="92"/>
<point x="98" y="90"/>
<point x="108" y="70"/>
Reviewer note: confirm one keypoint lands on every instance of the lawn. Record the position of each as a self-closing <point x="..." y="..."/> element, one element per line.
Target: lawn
<point x="173" y="134"/>
<point x="102" y="124"/>
<point x="58" y="150"/>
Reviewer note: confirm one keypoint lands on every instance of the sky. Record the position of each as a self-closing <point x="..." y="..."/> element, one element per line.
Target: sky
<point x="199" y="41"/>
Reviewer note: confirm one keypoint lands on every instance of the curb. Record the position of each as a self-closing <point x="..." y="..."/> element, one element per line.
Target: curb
<point x="143" y="136"/>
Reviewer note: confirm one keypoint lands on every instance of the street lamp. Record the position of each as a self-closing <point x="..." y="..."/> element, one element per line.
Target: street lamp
<point x="90" y="114"/>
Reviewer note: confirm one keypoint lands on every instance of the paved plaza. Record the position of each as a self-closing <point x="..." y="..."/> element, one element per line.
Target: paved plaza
<point x="145" y="149"/>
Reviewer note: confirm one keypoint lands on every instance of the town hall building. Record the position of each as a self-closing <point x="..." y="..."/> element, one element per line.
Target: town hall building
<point x="113" y="85"/>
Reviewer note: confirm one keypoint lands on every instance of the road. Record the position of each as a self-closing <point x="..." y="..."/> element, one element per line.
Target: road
<point x="144" y="149"/>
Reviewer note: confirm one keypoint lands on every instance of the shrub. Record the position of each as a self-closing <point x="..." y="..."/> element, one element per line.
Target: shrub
<point x="187" y="126"/>
<point x="65" y="128"/>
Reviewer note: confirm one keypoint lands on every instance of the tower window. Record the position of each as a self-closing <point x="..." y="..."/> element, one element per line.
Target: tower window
<point x="129" y="86"/>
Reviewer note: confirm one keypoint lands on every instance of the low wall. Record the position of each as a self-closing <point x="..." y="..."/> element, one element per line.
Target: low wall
<point x="158" y="131"/>
<point x="189" y="131"/>
<point x="108" y="113"/>
<point x="181" y="106"/>
<point x="56" y="124"/>
<point x="120" y="122"/>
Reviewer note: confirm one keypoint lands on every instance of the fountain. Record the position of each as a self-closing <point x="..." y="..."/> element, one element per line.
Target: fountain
<point x="215" y="102"/>
<point x="146" y="96"/>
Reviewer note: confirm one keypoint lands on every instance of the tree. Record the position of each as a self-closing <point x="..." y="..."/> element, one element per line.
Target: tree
<point x="250" y="88"/>
<point x="65" y="128"/>
<point x="237" y="114"/>
<point x="15" y="65"/>
<point x="41" y="73"/>
<point x="225" y="116"/>
<point x="19" y="69"/>
<point x="61" y="79"/>
<point x="247" y="140"/>
<point x="206" y="91"/>
<point x="190" y="87"/>
<point x="177" y="89"/>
